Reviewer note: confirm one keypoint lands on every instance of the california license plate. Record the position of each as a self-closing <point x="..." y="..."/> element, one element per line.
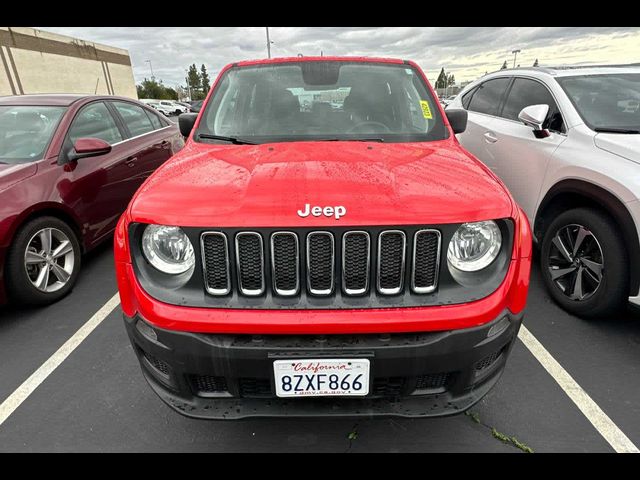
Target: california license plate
<point x="321" y="377"/>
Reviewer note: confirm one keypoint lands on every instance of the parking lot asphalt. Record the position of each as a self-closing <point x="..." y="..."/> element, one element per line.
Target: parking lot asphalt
<point x="97" y="400"/>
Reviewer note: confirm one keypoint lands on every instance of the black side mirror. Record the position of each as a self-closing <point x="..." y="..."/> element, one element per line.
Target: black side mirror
<point x="186" y="121"/>
<point x="457" y="119"/>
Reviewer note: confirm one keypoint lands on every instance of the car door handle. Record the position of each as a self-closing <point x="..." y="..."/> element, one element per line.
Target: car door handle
<point x="165" y="143"/>
<point x="490" y="137"/>
<point x="131" y="161"/>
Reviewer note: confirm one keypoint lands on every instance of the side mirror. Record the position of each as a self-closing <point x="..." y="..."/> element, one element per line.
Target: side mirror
<point x="457" y="119"/>
<point x="534" y="116"/>
<point x="186" y="121"/>
<point x="88" y="147"/>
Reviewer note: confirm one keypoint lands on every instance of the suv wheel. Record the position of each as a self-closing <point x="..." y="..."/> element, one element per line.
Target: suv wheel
<point x="43" y="262"/>
<point x="584" y="263"/>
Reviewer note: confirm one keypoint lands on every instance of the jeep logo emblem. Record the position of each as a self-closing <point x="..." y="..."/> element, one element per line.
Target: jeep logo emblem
<point x="337" y="212"/>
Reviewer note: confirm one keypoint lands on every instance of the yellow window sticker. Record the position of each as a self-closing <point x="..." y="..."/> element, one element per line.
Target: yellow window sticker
<point x="426" y="111"/>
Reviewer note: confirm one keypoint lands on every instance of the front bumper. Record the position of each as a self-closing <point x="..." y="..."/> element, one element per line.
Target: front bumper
<point x="230" y="376"/>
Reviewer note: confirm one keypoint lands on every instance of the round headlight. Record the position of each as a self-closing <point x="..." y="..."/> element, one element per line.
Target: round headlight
<point x="474" y="246"/>
<point x="168" y="249"/>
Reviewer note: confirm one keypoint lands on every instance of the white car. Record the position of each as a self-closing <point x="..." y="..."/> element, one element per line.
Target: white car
<point x="160" y="105"/>
<point x="173" y="107"/>
<point x="447" y="101"/>
<point x="566" y="142"/>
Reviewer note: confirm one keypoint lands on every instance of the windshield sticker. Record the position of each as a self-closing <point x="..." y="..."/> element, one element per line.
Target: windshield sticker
<point x="426" y="111"/>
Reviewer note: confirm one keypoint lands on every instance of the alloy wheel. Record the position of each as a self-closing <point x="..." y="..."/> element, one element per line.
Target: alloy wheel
<point x="49" y="260"/>
<point x="576" y="262"/>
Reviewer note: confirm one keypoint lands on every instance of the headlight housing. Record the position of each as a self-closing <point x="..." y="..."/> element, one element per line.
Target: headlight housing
<point x="474" y="246"/>
<point x="168" y="249"/>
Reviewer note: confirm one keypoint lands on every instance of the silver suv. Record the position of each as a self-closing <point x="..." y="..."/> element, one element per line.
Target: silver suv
<point x="566" y="142"/>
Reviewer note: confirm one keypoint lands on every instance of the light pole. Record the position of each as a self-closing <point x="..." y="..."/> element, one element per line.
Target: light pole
<point x="515" y="55"/>
<point x="188" y="86"/>
<point x="151" y="67"/>
<point x="269" y="42"/>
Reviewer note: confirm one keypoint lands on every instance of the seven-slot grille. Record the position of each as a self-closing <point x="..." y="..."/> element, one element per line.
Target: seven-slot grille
<point x="299" y="260"/>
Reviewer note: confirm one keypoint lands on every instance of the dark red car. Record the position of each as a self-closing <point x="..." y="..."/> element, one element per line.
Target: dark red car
<point x="69" y="164"/>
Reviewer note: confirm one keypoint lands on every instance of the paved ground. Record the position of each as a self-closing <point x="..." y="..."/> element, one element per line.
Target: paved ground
<point x="98" y="400"/>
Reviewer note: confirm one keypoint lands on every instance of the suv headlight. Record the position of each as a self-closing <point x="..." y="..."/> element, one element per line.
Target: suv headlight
<point x="168" y="249"/>
<point x="474" y="246"/>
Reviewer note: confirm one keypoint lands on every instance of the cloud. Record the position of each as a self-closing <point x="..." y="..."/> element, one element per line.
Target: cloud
<point x="465" y="51"/>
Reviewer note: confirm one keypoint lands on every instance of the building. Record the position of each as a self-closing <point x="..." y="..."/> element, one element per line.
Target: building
<point x="34" y="61"/>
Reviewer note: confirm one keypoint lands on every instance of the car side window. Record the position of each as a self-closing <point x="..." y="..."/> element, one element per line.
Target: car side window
<point x="488" y="96"/>
<point x="525" y="92"/>
<point x="155" y="120"/>
<point x="95" y="121"/>
<point x="466" y="98"/>
<point x="134" y="118"/>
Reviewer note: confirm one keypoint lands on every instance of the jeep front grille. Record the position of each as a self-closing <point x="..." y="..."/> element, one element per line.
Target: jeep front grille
<point x="356" y="259"/>
<point x="286" y="271"/>
<point x="392" y="246"/>
<point x="215" y="254"/>
<point x="250" y="261"/>
<point x="321" y="263"/>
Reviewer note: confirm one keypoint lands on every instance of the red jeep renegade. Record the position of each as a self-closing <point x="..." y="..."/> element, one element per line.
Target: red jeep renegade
<point x="322" y="246"/>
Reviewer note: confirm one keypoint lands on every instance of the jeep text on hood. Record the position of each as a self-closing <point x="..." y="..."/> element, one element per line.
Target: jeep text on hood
<point x="322" y="234"/>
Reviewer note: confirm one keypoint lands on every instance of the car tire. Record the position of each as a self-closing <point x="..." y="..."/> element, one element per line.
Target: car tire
<point x="24" y="277"/>
<point x="601" y="260"/>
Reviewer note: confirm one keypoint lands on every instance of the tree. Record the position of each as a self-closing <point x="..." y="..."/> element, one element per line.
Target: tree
<point x="504" y="66"/>
<point x="441" y="82"/>
<point x="451" y="80"/>
<point x="156" y="90"/>
<point x="204" y="79"/>
<point x="170" y="94"/>
<point x="535" y="64"/>
<point x="193" y="78"/>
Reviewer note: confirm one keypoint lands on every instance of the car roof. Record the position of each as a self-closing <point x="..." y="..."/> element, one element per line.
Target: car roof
<point x="55" y="99"/>
<point x="571" y="70"/>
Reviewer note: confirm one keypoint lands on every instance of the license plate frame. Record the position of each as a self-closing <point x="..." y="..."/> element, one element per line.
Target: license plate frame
<point x="313" y="377"/>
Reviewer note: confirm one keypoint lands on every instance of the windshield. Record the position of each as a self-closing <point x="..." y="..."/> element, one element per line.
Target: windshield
<point x="322" y="100"/>
<point x="25" y="131"/>
<point x="606" y="102"/>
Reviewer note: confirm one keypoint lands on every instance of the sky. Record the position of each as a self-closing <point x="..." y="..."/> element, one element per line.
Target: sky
<point x="467" y="52"/>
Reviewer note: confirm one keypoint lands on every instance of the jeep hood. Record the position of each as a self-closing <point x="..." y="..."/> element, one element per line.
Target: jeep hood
<point x="265" y="185"/>
<point x="626" y="146"/>
<point x="11" y="174"/>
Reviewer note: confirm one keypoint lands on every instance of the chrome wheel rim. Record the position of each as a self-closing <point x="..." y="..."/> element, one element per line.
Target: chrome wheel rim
<point x="576" y="262"/>
<point x="49" y="260"/>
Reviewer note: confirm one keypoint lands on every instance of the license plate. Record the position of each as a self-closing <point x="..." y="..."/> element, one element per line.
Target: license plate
<point x="321" y="377"/>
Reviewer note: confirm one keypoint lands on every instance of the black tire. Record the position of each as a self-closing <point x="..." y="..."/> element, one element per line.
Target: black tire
<point x="20" y="288"/>
<point x="612" y="293"/>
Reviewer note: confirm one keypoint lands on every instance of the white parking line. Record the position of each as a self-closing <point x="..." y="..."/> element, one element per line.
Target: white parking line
<point x="590" y="409"/>
<point x="30" y="384"/>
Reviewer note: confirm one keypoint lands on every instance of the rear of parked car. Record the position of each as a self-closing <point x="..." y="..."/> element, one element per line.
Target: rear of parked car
<point x="566" y="142"/>
<point x="69" y="164"/>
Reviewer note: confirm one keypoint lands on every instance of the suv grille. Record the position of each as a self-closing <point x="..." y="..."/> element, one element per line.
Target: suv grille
<point x="356" y="256"/>
<point x="286" y="270"/>
<point x="250" y="257"/>
<point x="391" y="257"/>
<point x="321" y="263"/>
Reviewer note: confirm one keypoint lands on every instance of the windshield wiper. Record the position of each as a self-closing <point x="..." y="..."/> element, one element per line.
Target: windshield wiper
<point x="616" y="130"/>
<point x="234" y="140"/>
